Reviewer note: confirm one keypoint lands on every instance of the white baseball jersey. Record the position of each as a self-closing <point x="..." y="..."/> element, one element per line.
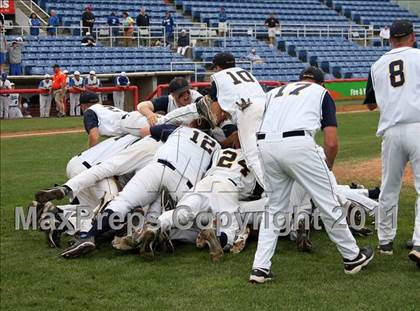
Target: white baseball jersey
<point x="295" y="106"/>
<point x="190" y="151"/>
<point x="14" y="100"/>
<point x="45" y="84"/>
<point x="92" y="82"/>
<point x="172" y="104"/>
<point x="106" y="149"/>
<point x="396" y="81"/>
<point x="109" y="118"/>
<point x="236" y="83"/>
<point x="78" y="83"/>
<point x="230" y="163"/>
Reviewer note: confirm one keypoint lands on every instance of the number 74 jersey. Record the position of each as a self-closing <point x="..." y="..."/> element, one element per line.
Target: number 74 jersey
<point x="396" y="82"/>
<point x="230" y="163"/>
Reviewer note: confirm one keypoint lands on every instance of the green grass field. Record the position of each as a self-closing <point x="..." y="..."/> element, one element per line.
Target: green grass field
<point x="35" y="277"/>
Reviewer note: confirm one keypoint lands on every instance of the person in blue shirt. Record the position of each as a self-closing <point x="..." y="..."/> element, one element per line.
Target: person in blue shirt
<point x="113" y="22"/>
<point x="34" y="24"/>
<point x="53" y="23"/>
<point x="168" y="23"/>
<point x="123" y="82"/>
<point x="222" y="22"/>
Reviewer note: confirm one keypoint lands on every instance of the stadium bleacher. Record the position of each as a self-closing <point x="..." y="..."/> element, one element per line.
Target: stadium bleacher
<point x="41" y="53"/>
<point x="373" y="12"/>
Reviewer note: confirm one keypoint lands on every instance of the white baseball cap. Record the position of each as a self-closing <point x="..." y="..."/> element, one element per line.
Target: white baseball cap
<point x="65" y="71"/>
<point x="92" y="72"/>
<point x="19" y="39"/>
<point x="12" y="83"/>
<point x="47" y="76"/>
<point x="76" y="73"/>
<point x="124" y="74"/>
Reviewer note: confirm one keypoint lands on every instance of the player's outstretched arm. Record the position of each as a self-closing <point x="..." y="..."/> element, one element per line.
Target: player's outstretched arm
<point x="93" y="137"/>
<point x="146" y="108"/>
<point x="330" y="145"/>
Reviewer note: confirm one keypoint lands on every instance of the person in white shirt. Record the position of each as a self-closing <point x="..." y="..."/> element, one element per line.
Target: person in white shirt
<point x="46" y="98"/>
<point x="5" y="84"/>
<point x="14" y="105"/>
<point x="76" y="85"/>
<point x="92" y="82"/>
<point x="384" y="35"/>
<point x="254" y="57"/>
<point x="394" y="87"/>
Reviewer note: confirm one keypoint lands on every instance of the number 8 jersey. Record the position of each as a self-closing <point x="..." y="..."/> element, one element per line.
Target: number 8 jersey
<point x="395" y="78"/>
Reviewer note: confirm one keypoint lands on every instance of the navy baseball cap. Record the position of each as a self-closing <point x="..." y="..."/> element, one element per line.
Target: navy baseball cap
<point x="223" y="60"/>
<point x="401" y="28"/>
<point x="178" y="85"/>
<point x="313" y="73"/>
<point x="89" y="98"/>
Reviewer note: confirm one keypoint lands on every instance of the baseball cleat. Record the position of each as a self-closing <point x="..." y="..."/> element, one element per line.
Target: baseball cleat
<point x="302" y="240"/>
<point x="260" y="276"/>
<point x="414" y="255"/>
<point x="362" y="260"/>
<point x="409" y="245"/>
<point x="147" y="241"/>
<point x="165" y="242"/>
<point x="56" y="193"/>
<point x="79" y="248"/>
<point x="122" y="243"/>
<point x="240" y="241"/>
<point x="386" y="249"/>
<point x="374" y="193"/>
<point x="356" y="186"/>
<point x="215" y="249"/>
<point x="200" y="242"/>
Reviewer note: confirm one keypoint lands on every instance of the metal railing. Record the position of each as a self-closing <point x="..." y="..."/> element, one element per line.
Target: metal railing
<point x="30" y="6"/>
<point x="44" y="30"/>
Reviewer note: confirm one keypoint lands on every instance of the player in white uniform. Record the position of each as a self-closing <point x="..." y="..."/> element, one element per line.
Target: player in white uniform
<point x="237" y="92"/>
<point x="288" y="153"/>
<point x="394" y="87"/>
<point x="228" y="181"/>
<point x="4" y="98"/>
<point x="178" y="165"/>
<point x="123" y="82"/>
<point x="14" y="105"/>
<point x="76" y="84"/>
<point x="92" y="82"/>
<point x="100" y="120"/>
<point x="92" y="172"/>
<point x="180" y="95"/>
<point x="45" y="99"/>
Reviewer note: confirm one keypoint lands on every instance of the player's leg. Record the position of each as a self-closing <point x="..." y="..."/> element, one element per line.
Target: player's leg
<point x="394" y="160"/>
<point x="311" y="172"/>
<point x="48" y="100"/>
<point x="41" y="106"/>
<point x="2" y="98"/>
<point x="6" y="107"/>
<point x="278" y="186"/>
<point x="72" y="104"/>
<point x="248" y="124"/>
<point x="77" y="103"/>
<point x="413" y="146"/>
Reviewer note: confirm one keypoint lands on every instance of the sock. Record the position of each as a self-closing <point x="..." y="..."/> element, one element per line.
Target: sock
<point x="95" y="231"/>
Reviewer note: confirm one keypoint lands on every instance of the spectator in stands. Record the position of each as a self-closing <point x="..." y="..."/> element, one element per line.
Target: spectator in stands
<point x="254" y="57"/>
<point x="92" y="82"/>
<point x="143" y="19"/>
<point x="53" y="23"/>
<point x="384" y="35"/>
<point x="168" y="23"/>
<point x="222" y="22"/>
<point x="113" y="23"/>
<point x="272" y="23"/>
<point x="1" y="19"/>
<point x="128" y="24"/>
<point x="76" y="87"/>
<point x="59" y="89"/>
<point x="5" y="84"/>
<point x="46" y="98"/>
<point x="123" y="82"/>
<point x="143" y="22"/>
<point x="88" y="40"/>
<point x="15" y="57"/>
<point x="3" y="51"/>
<point x="14" y="105"/>
<point x="35" y="24"/>
<point x="183" y="42"/>
<point x="88" y="20"/>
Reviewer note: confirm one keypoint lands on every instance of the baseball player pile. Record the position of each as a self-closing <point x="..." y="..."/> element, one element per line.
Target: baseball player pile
<point x="213" y="170"/>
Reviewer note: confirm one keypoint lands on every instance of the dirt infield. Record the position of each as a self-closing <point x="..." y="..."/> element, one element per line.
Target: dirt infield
<point x="367" y="171"/>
